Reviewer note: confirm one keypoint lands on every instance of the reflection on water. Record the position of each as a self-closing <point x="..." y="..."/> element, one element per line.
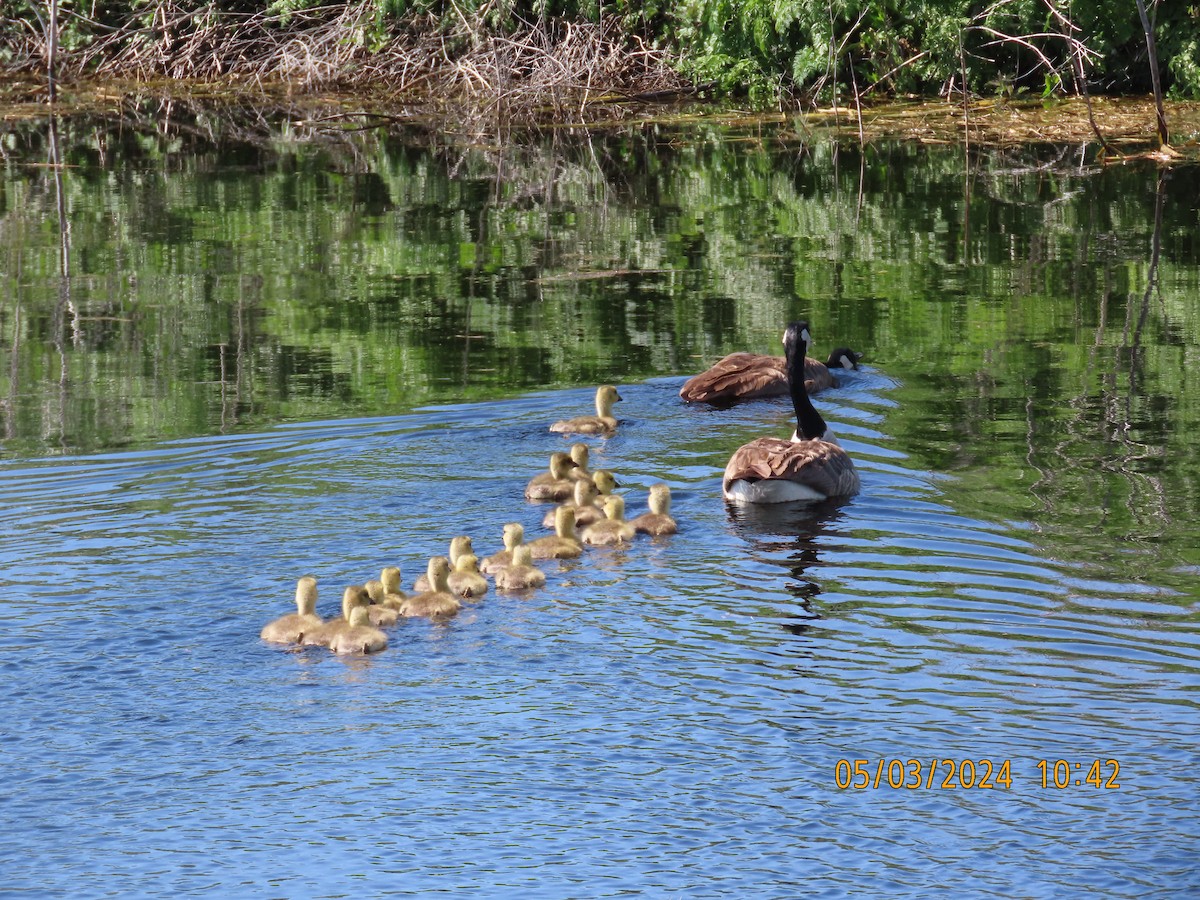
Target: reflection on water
<point x="686" y="698"/>
<point x="321" y="363"/>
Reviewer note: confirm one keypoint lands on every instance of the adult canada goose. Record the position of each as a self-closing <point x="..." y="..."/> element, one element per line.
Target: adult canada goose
<point x="352" y="597"/>
<point x="514" y="534"/>
<point x="809" y="466"/>
<point x="602" y="422"/>
<point x="583" y="503"/>
<point x="359" y="636"/>
<point x="564" y="543"/>
<point x="465" y="580"/>
<point x="290" y="629"/>
<point x="745" y="376"/>
<point x="459" y="546"/>
<point x="658" y="520"/>
<point x="522" y="574"/>
<point x="393" y="596"/>
<point x="438" y="603"/>
<point x="555" y="484"/>
<point x="613" y="529"/>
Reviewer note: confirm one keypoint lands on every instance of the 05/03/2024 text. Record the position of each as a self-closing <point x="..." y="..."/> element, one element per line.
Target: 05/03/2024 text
<point x="983" y="774"/>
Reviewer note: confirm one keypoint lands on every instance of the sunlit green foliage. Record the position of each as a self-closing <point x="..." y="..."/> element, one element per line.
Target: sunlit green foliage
<point x="829" y="49"/>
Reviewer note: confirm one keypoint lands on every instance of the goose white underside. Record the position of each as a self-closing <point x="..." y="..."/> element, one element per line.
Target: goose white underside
<point x="772" y="490"/>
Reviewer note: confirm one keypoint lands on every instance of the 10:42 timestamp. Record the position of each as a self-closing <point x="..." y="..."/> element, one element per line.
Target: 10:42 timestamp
<point x="1062" y="773"/>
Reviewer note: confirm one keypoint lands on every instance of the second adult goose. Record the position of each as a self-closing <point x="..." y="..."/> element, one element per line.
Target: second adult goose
<point x="745" y="376"/>
<point x="808" y="467"/>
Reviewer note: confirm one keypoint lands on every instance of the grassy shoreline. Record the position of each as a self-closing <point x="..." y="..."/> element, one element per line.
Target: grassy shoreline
<point x="1127" y="123"/>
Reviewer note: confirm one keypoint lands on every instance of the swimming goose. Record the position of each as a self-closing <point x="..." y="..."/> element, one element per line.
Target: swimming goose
<point x="808" y="467"/>
<point x="658" y="520"/>
<point x="393" y="596"/>
<point x="522" y="574"/>
<point x="359" y="636"/>
<point x="745" y="376"/>
<point x="514" y="534"/>
<point x="438" y="603"/>
<point x="352" y="597"/>
<point x="583" y="503"/>
<point x="459" y="546"/>
<point x="564" y="543"/>
<point x="602" y="422"/>
<point x="465" y="580"/>
<point x="613" y="529"/>
<point x="555" y="484"/>
<point x="290" y="629"/>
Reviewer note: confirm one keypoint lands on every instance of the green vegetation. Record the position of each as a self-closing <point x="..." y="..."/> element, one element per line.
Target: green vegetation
<point x="534" y="53"/>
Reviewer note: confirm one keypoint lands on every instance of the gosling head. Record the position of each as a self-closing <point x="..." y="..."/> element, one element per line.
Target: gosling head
<point x="522" y="556"/>
<point x="468" y="563"/>
<point x="514" y="534"/>
<point x="390" y="577"/>
<point x="359" y="617"/>
<point x="353" y="596"/>
<point x="560" y="465"/>
<point x="585" y="493"/>
<point x="564" y="522"/>
<point x="306" y="595"/>
<point x="614" y="507"/>
<point x="606" y="396"/>
<point x="605" y="482"/>
<point x="374" y="589"/>
<point x="438" y="572"/>
<point x="659" y="499"/>
<point x="458" y="546"/>
<point x="580" y="455"/>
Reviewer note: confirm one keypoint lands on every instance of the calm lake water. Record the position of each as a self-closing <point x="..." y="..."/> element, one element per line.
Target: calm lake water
<point x="226" y="365"/>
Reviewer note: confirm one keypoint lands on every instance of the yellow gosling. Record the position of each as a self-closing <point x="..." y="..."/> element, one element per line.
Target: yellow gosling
<point x="582" y="457"/>
<point x="583" y="504"/>
<point x="613" y="529"/>
<point x="359" y="636"/>
<point x="514" y="534"/>
<point x="393" y="597"/>
<point x="555" y="484"/>
<point x="458" y="546"/>
<point x="564" y="543"/>
<point x="437" y="604"/>
<point x="658" y="520"/>
<point x="465" y="580"/>
<point x="290" y="629"/>
<point x="352" y="597"/>
<point x="605" y="483"/>
<point x="522" y="575"/>
<point x="602" y="422"/>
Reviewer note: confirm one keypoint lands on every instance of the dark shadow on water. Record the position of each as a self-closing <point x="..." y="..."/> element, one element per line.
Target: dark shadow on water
<point x="791" y="531"/>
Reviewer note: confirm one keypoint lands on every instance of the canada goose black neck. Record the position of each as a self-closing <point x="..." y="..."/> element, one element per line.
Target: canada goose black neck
<point x="809" y="424"/>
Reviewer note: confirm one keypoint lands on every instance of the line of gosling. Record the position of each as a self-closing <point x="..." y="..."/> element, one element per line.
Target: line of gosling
<point x="589" y="513"/>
